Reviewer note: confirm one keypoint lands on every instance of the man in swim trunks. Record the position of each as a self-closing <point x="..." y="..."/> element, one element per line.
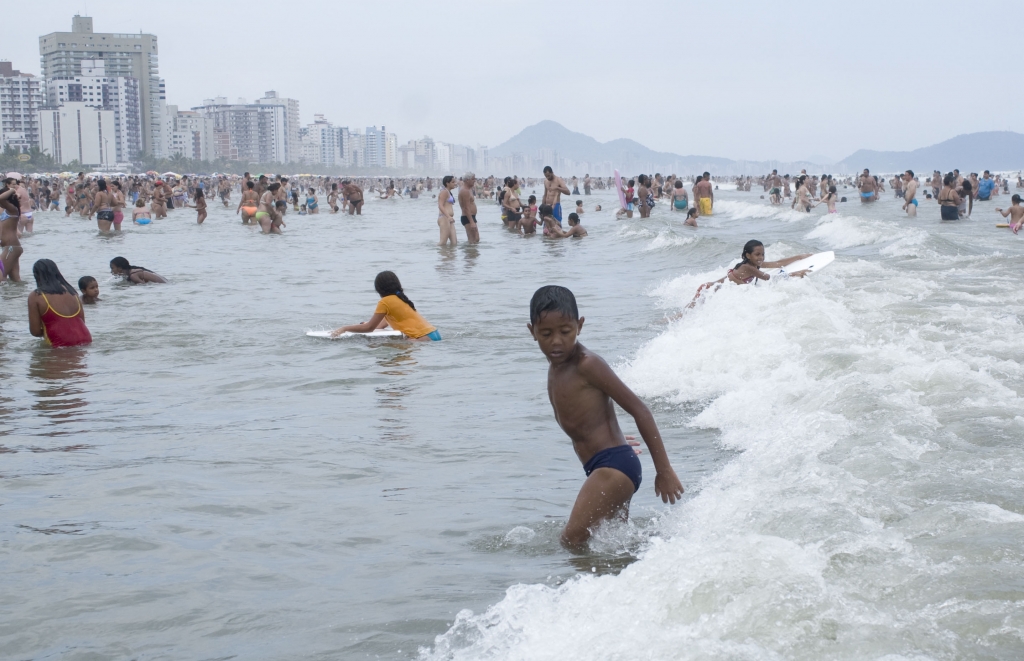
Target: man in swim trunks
<point x="354" y="196"/>
<point x="984" y="189"/>
<point x="553" y="189"/>
<point x="775" y="183"/>
<point x="704" y="195"/>
<point x="467" y="203"/>
<point x="910" y="195"/>
<point x="868" y="187"/>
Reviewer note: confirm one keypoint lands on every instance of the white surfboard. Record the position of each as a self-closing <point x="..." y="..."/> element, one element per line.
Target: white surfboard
<point x="812" y="264"/>
<point x="326" y="334"/>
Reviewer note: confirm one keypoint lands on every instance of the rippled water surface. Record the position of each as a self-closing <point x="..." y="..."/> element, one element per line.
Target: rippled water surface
<point x="204" y="481"/>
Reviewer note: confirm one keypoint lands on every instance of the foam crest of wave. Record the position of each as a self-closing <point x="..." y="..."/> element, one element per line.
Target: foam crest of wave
<point x="839" y="531"/>
<point x="744" y="210"/>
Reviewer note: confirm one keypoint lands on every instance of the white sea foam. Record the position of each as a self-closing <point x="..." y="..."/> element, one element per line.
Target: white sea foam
<point x="850" y="526"/>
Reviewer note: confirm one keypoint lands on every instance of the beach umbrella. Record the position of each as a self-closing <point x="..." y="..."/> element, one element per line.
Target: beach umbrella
<point x="171" y="174"/>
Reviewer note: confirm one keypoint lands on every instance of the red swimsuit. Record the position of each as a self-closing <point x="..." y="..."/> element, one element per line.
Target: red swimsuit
<point x="62" y="331"/>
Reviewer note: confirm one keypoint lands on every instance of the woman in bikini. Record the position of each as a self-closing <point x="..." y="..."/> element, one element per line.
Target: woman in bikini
<point x="446" y="211"/>
<point x="247" y="205"/>
<point x="10" y="244"/>
<point x="134" y="274"/>
<point x="949" y="200"/>
<point x="54" y="310"/>
<point x="103" y="203"/>
<point x="118" y="204"/>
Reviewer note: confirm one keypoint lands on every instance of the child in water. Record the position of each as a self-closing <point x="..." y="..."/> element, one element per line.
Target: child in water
<point x="394" y="310"/>
<point x="579" y="207"/>
<point x="581" y="389"/>
<point x="90" y="289"/>
<point x="830" y="199"/>
<point x="575" y="229"/>
<point x="199" y="206"/>
<point x="691" y="217"/>
<point x="140" y="214"/>
<point x="1016" y="214"/>
<point x="528" y="223"/>
<point x="749" y="270"/>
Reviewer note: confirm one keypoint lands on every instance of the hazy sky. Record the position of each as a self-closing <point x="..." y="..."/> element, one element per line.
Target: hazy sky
<point x="743" y="80"/>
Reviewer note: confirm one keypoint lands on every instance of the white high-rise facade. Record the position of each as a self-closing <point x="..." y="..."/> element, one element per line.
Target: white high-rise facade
<point x="189" y="134"/>
<point x="292" y="150"/>
<point x="124" y="56"/>
<point x="323" y="143"/>
<point x="248" y="132"/>
<point x="117" y="93"/>
<point x="79" y="131"/>
<point x="21" y="98"/>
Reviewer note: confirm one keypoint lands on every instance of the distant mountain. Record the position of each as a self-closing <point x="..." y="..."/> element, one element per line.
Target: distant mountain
<point x="548" y="138"/>
<point x="972" y="152"/>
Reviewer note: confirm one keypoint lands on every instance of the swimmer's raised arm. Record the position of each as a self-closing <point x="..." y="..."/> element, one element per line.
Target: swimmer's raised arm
<point x="601" y="376"/>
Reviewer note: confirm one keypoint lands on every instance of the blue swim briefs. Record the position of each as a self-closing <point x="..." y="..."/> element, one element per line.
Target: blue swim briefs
<point x="622" y="458"/>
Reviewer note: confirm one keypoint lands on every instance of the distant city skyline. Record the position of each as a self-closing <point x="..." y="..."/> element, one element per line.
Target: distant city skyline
<point x="746" y="83"/>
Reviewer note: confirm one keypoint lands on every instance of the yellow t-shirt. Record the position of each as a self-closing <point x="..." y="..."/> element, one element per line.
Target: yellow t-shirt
<point x="403" y="318"/>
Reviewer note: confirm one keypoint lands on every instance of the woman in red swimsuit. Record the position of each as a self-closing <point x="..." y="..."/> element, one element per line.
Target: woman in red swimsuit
<point x="54" y="311"/>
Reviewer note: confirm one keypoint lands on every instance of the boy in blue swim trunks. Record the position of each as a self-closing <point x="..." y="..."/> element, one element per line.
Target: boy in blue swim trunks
<point x="583" y="391"/>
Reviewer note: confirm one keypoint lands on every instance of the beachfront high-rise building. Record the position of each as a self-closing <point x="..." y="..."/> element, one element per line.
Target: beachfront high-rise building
<point x="188" y="134"/>
<point x="376" y="147"/>
<point x="117" y="93"/>
<point x="20" y="99"/>
<point x="323" y="143"/>
<point x="390" y="150"/>
<point x="79" y="131"/>
<point x="253" y="132"/>
<point x="292" y="142"/>
<point x="124" y="56"/>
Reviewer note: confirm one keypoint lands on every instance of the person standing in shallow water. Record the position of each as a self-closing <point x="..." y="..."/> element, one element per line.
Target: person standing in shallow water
<point x="467" y="203"/>
<point x="55" y="312"/>
<point x="10" y="245"/>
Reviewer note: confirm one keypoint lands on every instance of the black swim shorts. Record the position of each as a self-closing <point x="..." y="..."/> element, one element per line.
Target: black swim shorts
<point x="465" y="220"/>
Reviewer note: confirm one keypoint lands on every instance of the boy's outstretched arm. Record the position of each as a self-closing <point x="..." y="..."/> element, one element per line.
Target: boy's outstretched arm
<point x="600" y="375"/>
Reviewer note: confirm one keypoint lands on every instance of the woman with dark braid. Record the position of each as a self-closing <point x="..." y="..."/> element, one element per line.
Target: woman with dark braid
<point x="394" y="310"/>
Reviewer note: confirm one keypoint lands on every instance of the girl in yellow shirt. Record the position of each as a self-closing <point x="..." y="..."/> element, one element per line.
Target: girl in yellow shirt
<point x="395" y="310"/>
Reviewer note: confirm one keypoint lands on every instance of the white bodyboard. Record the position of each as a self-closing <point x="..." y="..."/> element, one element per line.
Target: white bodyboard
<point x="813" y="264"/>
<point x="326" y="334"/>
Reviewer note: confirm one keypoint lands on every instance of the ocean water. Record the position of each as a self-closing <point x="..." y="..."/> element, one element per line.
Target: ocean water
<point x="206" y="482"/>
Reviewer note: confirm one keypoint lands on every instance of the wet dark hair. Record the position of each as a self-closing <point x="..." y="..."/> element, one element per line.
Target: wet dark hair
<point x="199" y="193"/>
<point x="1015" y="199"/>
<point x="101" y="185"/>
<point x="579" y="202"/>
<point x="630" y="182"/>
<point x="85" y="281"/>
<point x="546" y="210"/>
<point x="274" y="187"/>
<point x="547" y="168"/>
<point x="448" y="178"/>
<point x="679" y="183"/>
<point x="533" y="198"/>
<point x="911" y="173"/>
<point x="49" y="280"/>
<point x="552" y="298"/>
<point x="748" y="248"/>
<point x="122" y="263"/>
<point x="387" y="284"/>
<point x="949" y="179"/>
<point x="574" y="219"/>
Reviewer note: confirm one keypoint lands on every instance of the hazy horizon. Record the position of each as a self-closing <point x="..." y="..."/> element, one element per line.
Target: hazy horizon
<point x="865" y="80"/>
